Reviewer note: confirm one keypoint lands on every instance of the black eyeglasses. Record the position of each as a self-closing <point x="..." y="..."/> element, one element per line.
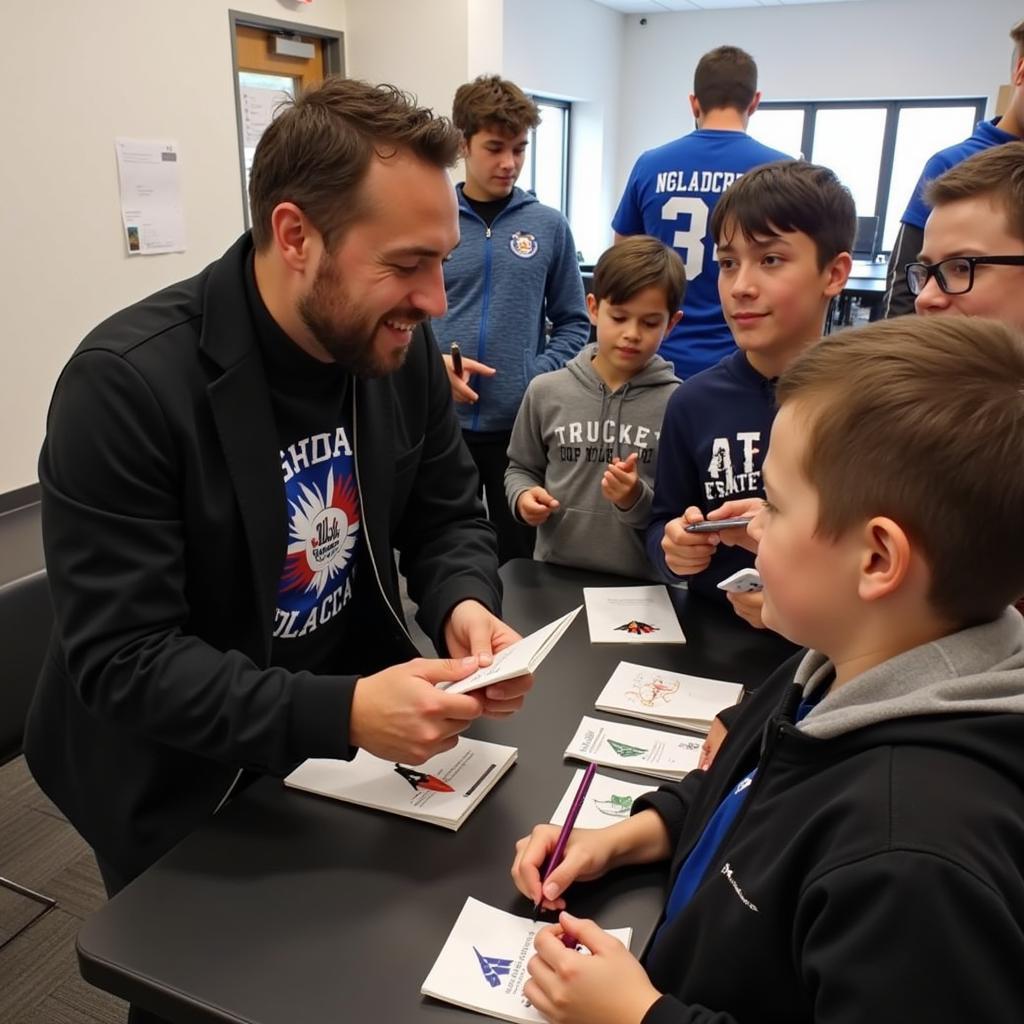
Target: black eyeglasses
<point x="955" y="275"/>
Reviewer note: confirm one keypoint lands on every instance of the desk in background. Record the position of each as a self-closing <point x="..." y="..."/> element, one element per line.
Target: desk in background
<point x="290" y="908"/>
<point x="866" y="284"/>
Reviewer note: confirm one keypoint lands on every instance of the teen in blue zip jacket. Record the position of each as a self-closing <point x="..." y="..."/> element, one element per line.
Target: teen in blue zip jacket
<point x="514" y="271"/>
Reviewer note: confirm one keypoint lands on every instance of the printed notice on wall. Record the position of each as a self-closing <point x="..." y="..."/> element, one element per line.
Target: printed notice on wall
<point x="149" y="172"/>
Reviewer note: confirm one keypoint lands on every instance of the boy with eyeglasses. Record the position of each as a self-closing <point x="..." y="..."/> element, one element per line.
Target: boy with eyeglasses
<point x="972" y="258"/>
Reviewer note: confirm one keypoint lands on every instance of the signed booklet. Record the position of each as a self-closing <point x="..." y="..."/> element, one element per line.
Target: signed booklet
<point x="607" y="801"/>
<point x="522" y="657"/>
<point x="665" y="755"/>
<point x="442" y="791"/>
<point x="482" y="965"/>
<point x="669" y="698"/>
<point x="632" y="615"/>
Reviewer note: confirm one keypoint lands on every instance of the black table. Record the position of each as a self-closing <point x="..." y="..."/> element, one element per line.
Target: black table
<point x="290" y="908"/>
<point x="866" y="283"/>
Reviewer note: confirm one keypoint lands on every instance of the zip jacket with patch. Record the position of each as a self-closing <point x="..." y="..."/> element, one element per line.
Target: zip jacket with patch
<point x="503" y="283"/>
<point x="570" y="427"/>
<point x="875" y="871"/>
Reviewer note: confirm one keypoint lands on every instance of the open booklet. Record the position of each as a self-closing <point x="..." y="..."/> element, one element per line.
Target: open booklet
<point x="665" y="755"/>
<point x="670" y="698"/>
<point x="632" y="615"/>
<point x="608" y="800"/>
<point x="482" y="965"/>
<point x="442" y="791"/>
<point x="522" y="657"/>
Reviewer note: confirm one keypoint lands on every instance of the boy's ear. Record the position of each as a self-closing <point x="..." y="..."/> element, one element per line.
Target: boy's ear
<point x="754" y="103"/>
<point x="672" y="321"/>
<point x="463" y="146"/>
<point x="695" y="107"/>
<point x="885" y="560"/>
<point x="592" y="305"/>
<point x="837" y="271"/>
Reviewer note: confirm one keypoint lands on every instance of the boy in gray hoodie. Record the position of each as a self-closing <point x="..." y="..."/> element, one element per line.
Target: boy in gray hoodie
<point x="584" y="445"/>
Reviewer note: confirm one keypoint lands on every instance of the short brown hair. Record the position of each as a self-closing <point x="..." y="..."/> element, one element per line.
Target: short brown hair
<point x="493" y="102"/>
<point x="636" y="263"/>
<point x="789" y="195"/>
<point x="316" y="152"/>
<point x="1017" y="35"/>
<point x="921" y="419"/>
<point x="997" y="173"/>
<point x="725" y="77"/>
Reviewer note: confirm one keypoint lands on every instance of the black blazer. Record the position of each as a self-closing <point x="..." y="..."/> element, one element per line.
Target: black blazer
<point x="164" y="525"/>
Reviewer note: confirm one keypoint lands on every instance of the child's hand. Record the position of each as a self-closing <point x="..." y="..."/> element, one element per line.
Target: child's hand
<point x="748" y="607"/>
<point x="461" y="391"/>
<point x="587" y="856"/>
<point x="621" y="482"/>
<point x="688" y="553"/>
<point x="716" y="734"/>
<point x="535" y="506"/>
<point x="568" y="987"/>
<point x="738" y="536"/>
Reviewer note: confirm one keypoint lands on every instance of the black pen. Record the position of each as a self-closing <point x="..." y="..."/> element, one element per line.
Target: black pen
<point x="456" y="360"/>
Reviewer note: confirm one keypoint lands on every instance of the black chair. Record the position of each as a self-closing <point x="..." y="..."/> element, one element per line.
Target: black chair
<point x="26" y="617"/>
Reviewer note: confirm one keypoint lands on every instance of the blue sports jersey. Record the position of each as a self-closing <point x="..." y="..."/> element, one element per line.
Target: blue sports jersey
<point x="986" y="135"/>
<point x="670" y="195"/>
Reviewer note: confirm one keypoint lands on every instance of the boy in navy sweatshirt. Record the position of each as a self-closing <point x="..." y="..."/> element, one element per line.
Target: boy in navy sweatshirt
<point x="514" y="271"/>
<point x="856" y="851"/>
<point x="783" y="232"/>
<point x="585" y="442"/>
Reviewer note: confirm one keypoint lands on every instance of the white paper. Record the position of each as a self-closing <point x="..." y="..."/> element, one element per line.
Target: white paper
<point x="259" y="107"/>
<point x="149" y="174"/>
<point x="665" y="755"/>
<point x="608" y="801"/>
<point x="631" y="615"/>
<point x="471" y="769"/>
<point x="482" y="965"/>
<point x="669" y="698"/>
<point x="522" y="657"/>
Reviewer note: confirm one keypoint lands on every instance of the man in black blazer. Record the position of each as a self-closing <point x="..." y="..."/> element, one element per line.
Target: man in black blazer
<point x="228" y="468"/>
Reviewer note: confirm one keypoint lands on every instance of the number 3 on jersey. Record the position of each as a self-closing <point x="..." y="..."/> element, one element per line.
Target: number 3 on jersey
<point x="691" y="240"/>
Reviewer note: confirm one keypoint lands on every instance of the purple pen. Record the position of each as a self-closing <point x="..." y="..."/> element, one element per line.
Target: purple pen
<point x="563" y="837"/>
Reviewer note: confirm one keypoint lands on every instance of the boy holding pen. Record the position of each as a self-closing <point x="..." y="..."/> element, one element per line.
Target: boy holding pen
<point x="584" y="445"/>
<point x="783" y="231"/>
<point x="861" y="856"/>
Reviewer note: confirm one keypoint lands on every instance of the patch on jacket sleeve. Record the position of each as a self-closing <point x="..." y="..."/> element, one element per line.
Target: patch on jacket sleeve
<point x="523" y="244"/>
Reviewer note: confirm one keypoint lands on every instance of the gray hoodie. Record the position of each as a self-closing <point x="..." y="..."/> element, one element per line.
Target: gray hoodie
<point x="570" y="426"/>
<point x="979" y="670"/>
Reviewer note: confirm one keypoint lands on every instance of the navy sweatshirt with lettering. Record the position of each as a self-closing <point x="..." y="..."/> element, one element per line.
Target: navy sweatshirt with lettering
<point x="570" y="426"/>
<point x="713" y="444"/>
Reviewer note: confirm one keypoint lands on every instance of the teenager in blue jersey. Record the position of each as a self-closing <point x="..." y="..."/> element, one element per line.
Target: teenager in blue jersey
<point x="672" y="192"/>
<point x="1000" y="130"/>
<point x="784" y="234"/>
<point x="514" y="272"/>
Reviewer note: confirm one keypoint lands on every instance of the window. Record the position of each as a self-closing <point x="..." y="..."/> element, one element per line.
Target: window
<point x="546" y="170"/>
<point x="877" y="147"/>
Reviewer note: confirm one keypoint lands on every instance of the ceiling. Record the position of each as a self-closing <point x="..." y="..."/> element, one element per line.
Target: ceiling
<point x="664" y="6"/>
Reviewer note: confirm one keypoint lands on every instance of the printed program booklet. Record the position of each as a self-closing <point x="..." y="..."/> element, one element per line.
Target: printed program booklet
<point x="665" y="755"/>
<point x="669" y="698"/>
<point x="522" y="657"/>
<point x="607" y="801"/>
<point x="442" y="791"/>
<point x="482" y="966"/>
<point x="632" y="615"/>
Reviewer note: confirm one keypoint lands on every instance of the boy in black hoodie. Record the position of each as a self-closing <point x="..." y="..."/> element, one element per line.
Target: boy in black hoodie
<point x="861" y="856"/>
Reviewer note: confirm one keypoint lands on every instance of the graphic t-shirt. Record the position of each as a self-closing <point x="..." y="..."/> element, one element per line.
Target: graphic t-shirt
<point x="670" y="195"/>
<point x="312" y="411"/>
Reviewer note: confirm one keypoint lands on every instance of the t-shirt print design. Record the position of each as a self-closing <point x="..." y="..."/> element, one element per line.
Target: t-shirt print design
<point x="323" y="539"/>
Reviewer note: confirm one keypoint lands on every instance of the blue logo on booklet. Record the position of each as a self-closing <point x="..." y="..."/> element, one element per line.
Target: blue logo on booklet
<point x="494" y="968"/>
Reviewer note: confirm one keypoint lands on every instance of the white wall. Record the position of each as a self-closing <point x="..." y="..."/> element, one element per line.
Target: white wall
<point x="153" y="69"/>
<point x="874" y="48"/>
<point x="572" y="50"/>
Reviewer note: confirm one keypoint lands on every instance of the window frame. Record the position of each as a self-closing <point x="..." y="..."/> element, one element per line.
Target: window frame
<point x="565" y="105"/>
<point x="892" y="107"/>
